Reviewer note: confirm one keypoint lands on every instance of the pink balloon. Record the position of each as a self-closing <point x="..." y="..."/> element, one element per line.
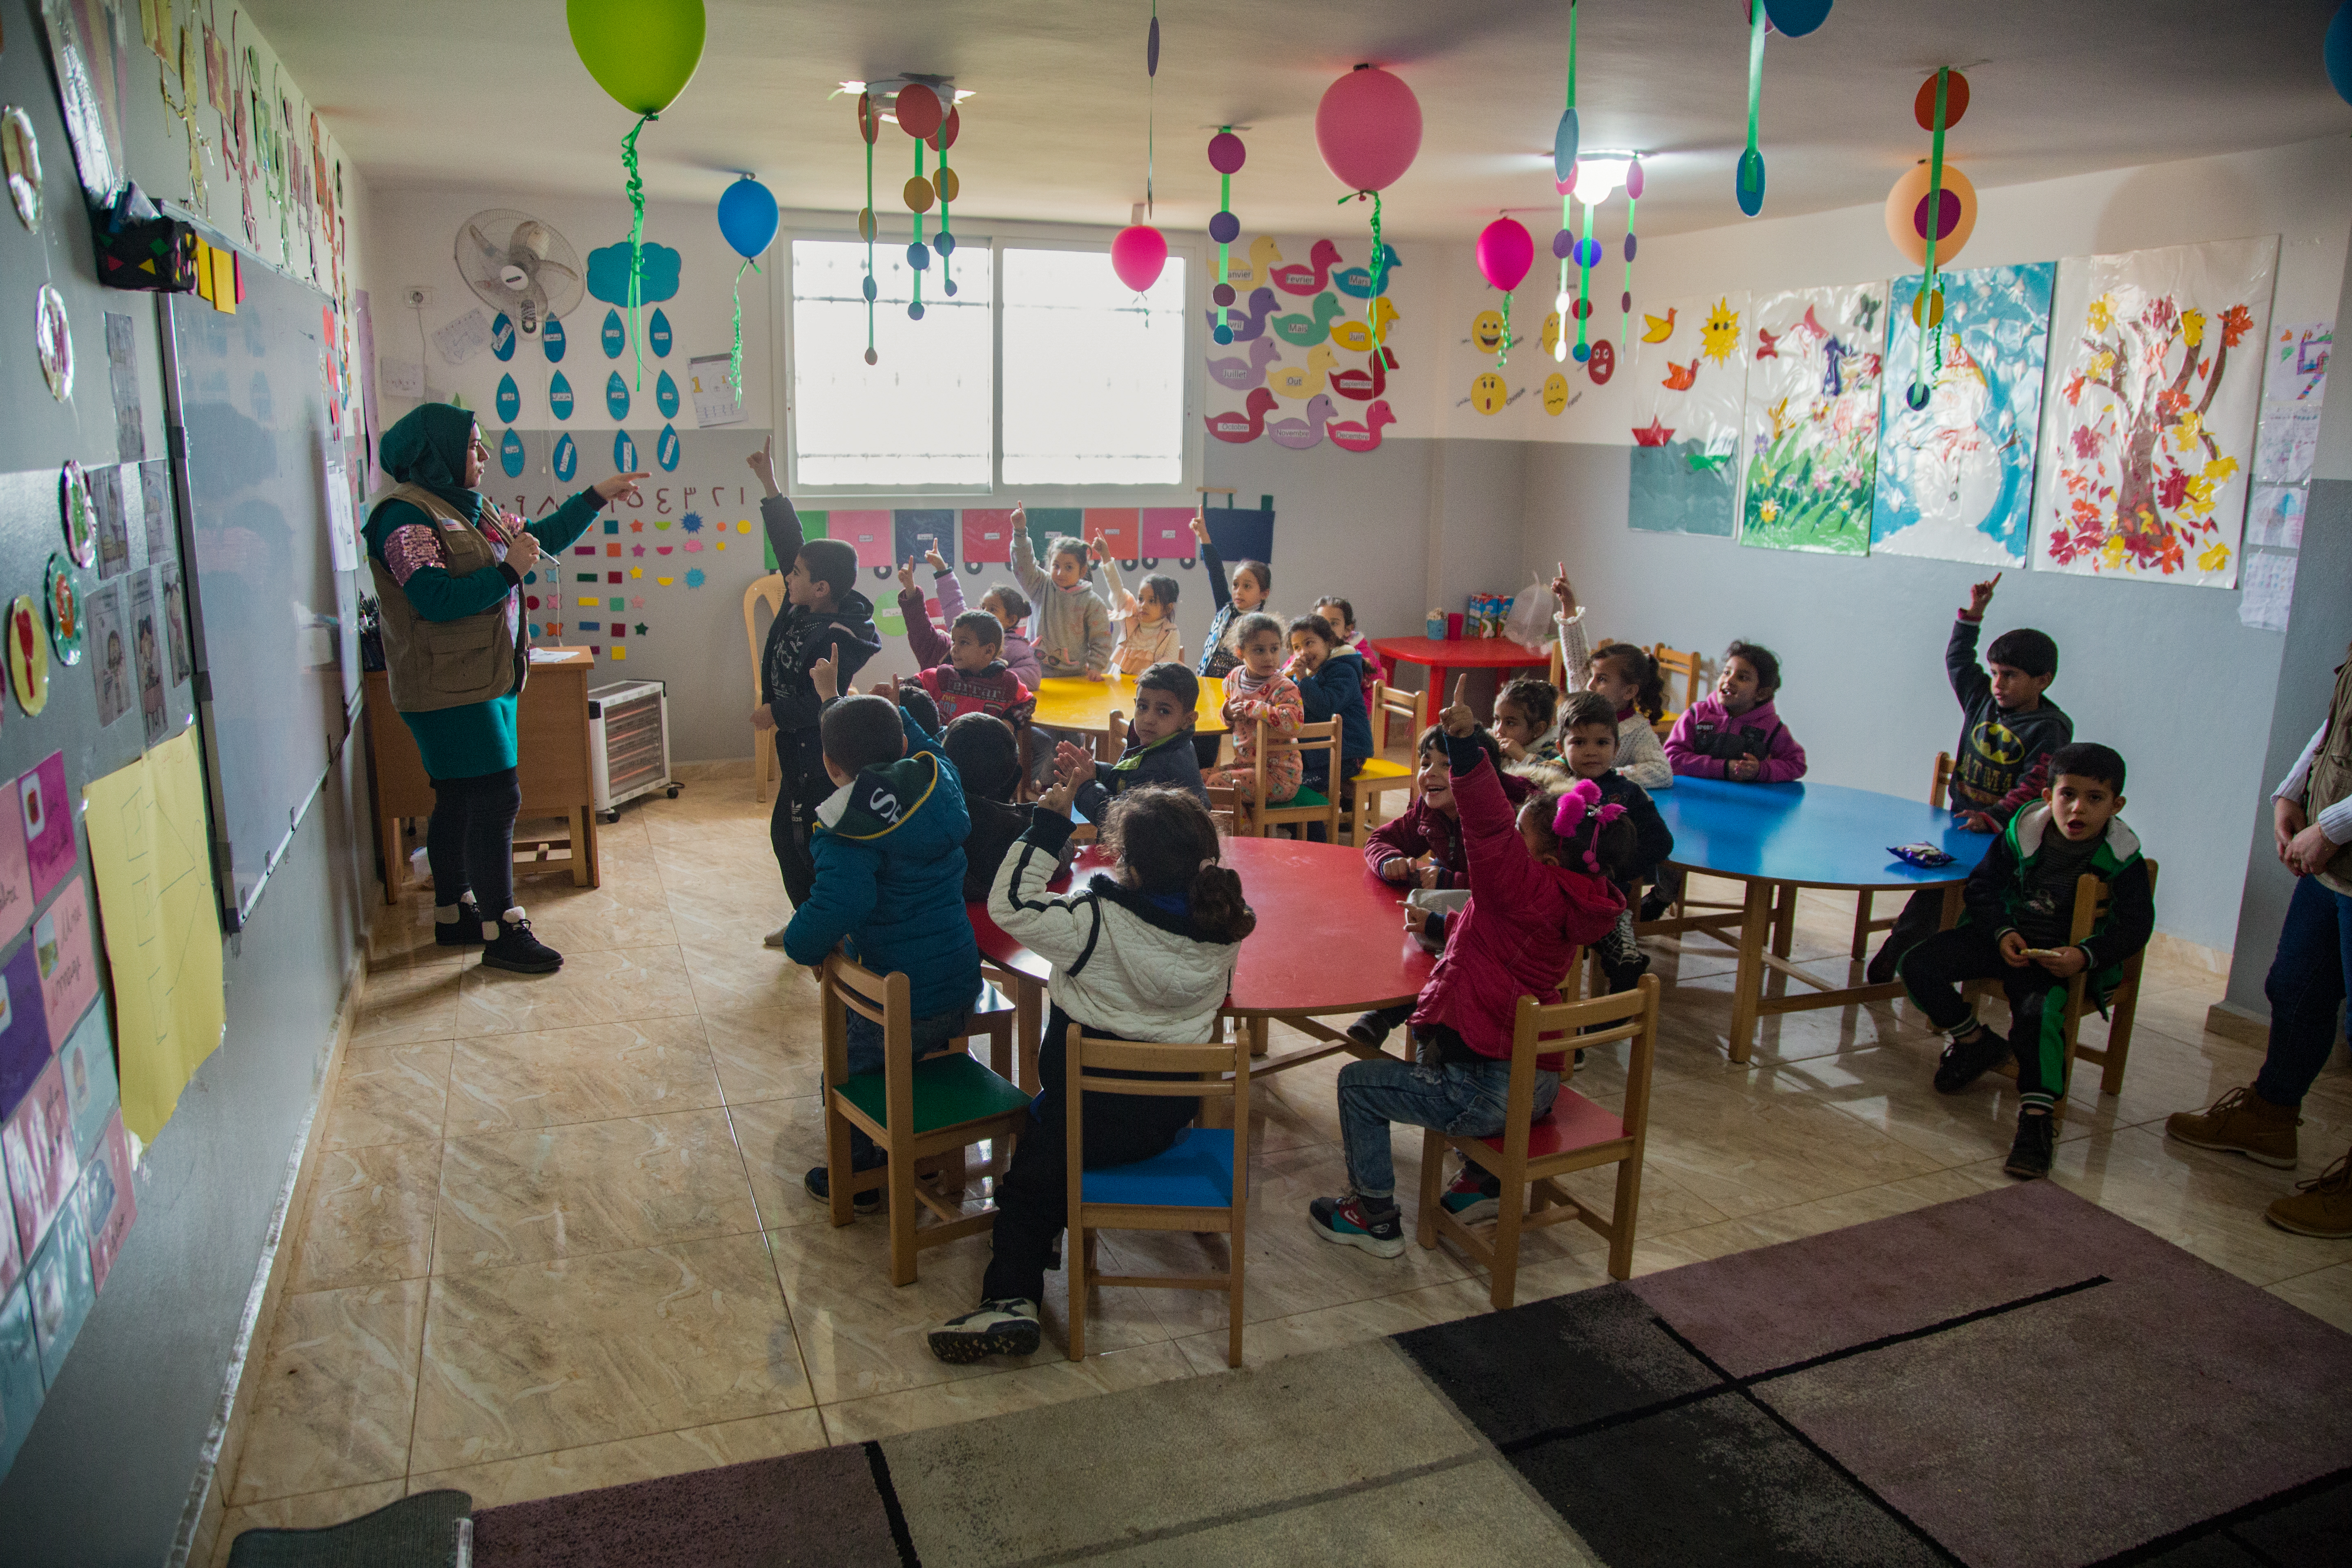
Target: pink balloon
<point x="1506" y="251"/>
<point x="1368" y="129"/>
<point x="1137" y="255"/>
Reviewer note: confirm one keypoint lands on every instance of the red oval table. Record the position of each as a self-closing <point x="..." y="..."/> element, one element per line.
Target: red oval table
<point x="1446" y="656"/>
<point x="1331" y="938"/>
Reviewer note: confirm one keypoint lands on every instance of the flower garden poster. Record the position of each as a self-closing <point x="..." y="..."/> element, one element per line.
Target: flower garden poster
<point x="1956" y="478"/>
<point x="1690" y="385"/>
<point x="1812" y="419"/>
<point x="2155" y="380"/>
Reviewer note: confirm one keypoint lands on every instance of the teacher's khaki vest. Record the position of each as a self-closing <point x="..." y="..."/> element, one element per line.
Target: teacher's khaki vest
<point x="432" y="664"/>
<point x="2331" y="776"/>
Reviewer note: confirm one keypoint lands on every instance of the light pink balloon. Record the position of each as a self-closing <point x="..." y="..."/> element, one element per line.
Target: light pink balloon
<point x="1137" y="255"/>
<point x="1368" y="129"/>
<point x="1506" y="251"/>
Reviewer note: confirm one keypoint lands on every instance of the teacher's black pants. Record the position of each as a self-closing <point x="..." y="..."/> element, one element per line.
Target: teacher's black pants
<point x="469" y="840"/>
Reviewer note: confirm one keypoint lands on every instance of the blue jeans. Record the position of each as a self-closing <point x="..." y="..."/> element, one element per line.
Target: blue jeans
<point x="866" y="1055"/>
<point x="1466" y="1102"/>
<point x="2308" y="978"/>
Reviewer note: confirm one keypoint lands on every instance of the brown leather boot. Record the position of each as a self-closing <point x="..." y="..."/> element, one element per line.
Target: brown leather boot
<point x="2321" y="1206"/>
<point x="2240" y="1122"/>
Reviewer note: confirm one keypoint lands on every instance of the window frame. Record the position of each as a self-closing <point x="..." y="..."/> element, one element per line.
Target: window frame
<point x="1001" y="237"/>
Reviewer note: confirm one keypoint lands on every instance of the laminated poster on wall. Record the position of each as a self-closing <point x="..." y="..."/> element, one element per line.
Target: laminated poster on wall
<point x="122" y="380"/>
<point x="2298" y="367"/>
<point x="109" y="652"/>
<point x="109" y="1206"/>
<point x="113" y="521"/>
<point x="1690" y="394"/>
<point x="1956" y="479"/>
<point x="24" y="1030"/>
<point x="81" y="56"/>
<point x="716" y="403"/>
<point x="92" y="1094"/>
<point x="62" y="1287"/>
<point x="2155" y="378"/>
<point x="46" y="818"/>
<point x="61" y="947"/>
<point x="37" y="1148"/>
<point x="1811" y="427"/>
<point x="156" y="509"/>
<point x="20" y="1372"/>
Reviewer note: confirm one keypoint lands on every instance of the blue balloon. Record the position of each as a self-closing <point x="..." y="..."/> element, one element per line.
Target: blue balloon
<point x="2336" y="52"/>
<point x="567" y="459"/>
<point x="747" y="216"/>
<point x="1564" y="148"/>
<point x="1795" y="18"/>
<point x="511" y="454"/>
<point x="1749" y="186"/>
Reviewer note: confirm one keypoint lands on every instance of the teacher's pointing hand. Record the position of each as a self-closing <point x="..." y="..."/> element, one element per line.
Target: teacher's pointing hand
<point x="622" y="484"/>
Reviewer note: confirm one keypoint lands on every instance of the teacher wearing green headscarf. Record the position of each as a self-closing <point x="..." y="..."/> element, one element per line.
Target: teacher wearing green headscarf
<point x="448" y="568"/>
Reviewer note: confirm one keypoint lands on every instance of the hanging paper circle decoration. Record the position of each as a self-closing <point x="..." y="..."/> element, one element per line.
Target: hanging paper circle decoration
<point x="510" y="454"/>
<point x="949" y="184"/>
<point x="919" y="110"/>
<point x="643" y="52"/>
<point x="28" y="655"/>
<point x="866" y="228"/>
<point x="617" y="396"/>
<point x="1588" y="253"/>
<point x="1630" y="247"/>
<point x="867" y="288"/>
<point x="615" y="340"/>
<point x="1506" y="251"/>
<point x="1562" y="242"/>
<point x="559" y="396"/>
<point x="1906" y="215"/>
<point x="1930" y="307"/>
<point x="2336" y="52"/>
<point x="1368" y="128"/>
<point x="1956" y="101"/>
<point x="1223" y="294"/>
<point x="1563" y="147"/>
<point x="658" y="333"/>
<point x="1795" y="18"/>
<point x="1633" y="179"/>
<point x="945" y="245"/>
<point x="624" y="453"/>
<point x="949" y="129"/>
<point x="666" y="448"/>
<point x="666" y="396"/>
<point x="1227" y="155"/>
<point x="1224" y="228"/>
<point x="551" y="338"/>
<point x="502" y="337"/>
<point x="918" y="256"/>
<point x="567" y="459"/>
<point x="1750" y="187"/>
<point x="64" y="602"/>
<point x="78" y="513"/>
<point x="1604" y="363"/>
<point x="509" y="397"/>
<point x="868" y="122"/>
<point x="747" y="216"/>
<point x="1137" y="253"/>
<point x="918" y="194"/>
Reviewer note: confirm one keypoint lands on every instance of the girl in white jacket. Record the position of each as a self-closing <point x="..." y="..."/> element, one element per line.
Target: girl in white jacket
<point x="1147" y="954"/>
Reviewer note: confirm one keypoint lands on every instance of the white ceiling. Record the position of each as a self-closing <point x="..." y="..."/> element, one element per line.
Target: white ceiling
<point x="489" y="92"/>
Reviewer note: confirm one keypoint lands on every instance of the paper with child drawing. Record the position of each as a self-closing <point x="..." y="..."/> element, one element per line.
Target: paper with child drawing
<point x="1810" y="437"/>
<point x="1690" y="389"/>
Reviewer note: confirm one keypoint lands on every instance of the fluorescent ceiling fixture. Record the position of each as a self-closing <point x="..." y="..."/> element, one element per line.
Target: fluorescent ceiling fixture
<point x="1597" y="175"/>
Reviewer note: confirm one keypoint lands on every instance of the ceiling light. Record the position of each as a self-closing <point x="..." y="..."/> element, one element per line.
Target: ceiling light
<point x="1597" y="174"/>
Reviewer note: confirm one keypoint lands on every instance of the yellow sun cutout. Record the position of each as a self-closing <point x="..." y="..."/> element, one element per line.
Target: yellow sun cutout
<point x="1721" y="334"/>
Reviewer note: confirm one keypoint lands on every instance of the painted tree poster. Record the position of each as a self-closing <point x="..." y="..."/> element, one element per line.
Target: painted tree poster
<point x="1956" y="478"/>
<point x="2155" y="377"/>
<point x="1690" y="385"/>
<point x="1812" y="429"/>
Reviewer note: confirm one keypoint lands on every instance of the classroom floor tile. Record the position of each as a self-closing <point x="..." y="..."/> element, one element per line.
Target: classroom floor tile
<point x="558" y="1231"/>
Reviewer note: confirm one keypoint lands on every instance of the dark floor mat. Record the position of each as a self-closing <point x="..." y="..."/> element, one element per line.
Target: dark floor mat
<point x="418" y="1532"/>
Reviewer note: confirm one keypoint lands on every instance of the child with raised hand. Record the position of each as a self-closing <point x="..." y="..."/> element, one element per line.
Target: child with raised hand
<point x="1588" y="735"/>
<point x="973" y="678"/>
<point x="1258" y="690"/>
<point x="1735" y="734"/>
<point x="1329" y="678"/>
<point x="1159" y="749"/>
<point x="2020" y="917"/>
<point x="1146" y="618"/>
<point x="1343" y="616"/>
<point x="1146" y="953"/>
<point x="1002" y="601"/>
<point x="1539" y="890"/>
<point x="1073" y="629"/>
<point x="1253" y="581"/>
<point x="889" y="883"/>
<point x="1627" y="676"/>
<point x="1524" y="712"/>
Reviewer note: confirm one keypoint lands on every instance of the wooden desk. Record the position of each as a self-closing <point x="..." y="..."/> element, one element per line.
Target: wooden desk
<point x="553" y="766"/>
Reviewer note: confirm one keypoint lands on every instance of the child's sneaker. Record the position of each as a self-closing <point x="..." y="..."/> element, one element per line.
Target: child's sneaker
<point x="465" y="930"/>
<point x="1368" y="1030"/>
<point x="1967" y="1059"/>
<point x="774" y="938"/>
<point x="514" y="948"/>
<point x="2029" y="1156"/>
<point x="1475" y="1198"/>
<point x="1349" y="1223"/>
<point x="818" y="1183"/>
<point x="1008" y="1327"/>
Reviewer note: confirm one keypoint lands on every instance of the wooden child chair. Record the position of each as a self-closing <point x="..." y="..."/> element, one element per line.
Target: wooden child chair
<point x="1864" y="928"/>
<point x="1201" y="1184"/>
<point x="916" y="1111"/>
<point x="2090" y="903"/>
<point x="1307" y="805"/>
<point x="769" y="591"/>
<point x="1381" y="773"/>
<point x="1529" y="1156"/>
<point x="1674" y="664"/>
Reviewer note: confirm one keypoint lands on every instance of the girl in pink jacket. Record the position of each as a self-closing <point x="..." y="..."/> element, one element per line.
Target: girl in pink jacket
<point x="1735" y="734"/>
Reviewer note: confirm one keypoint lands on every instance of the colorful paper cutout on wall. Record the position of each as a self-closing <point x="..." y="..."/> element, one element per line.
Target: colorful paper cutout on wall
<point x="2153" y="385"/>
<point x="2298" y="371"/>
<point x="38" y="1148"/>
<point x="552" y="339"/>
<point x="1812" y="429"/>
<point x="1956" y="479"/>
<point x="567" y="459"/>
<point x="46" y="817"/>
<point x="1690" y="388"/>
<point x="559" y="395"/>
<point x="658" y="273"/>
<point x="15" y="892"/>
<point x="108" y="1207"/>
<point x="614" y="339"/>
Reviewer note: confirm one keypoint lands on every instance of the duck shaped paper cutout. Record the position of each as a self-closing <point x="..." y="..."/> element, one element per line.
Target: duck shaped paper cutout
<point x="1248" y="323"/>
<point x="1658" y="328"/>
<point x="1358" y="337"/>
<point x="1307" y="380"/>
<point x="1680" y="377"/>
<point x="1241" y="375"/>
<point x="1307" y="331"/>
<point x="1363" y="385"/>
<point x="1263" y="258"/>
<point x="1246" y="425"/>
<point x="1357" y="281"/>
<point x="1308" y="277"/>
<point x="1301" y="433"/>
<point x="1361" y="435"/>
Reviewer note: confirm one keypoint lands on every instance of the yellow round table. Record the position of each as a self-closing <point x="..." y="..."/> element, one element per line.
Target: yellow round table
<point x="1072" y="703"/>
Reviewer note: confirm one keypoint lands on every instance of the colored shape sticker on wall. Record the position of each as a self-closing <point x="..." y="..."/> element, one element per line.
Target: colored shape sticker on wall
<point x="559" y="395"/>
<point x="502" y="337"/>
<point x="666" y="448"/>
<point x="695" y="579"/>
<point x="615" y="340"/>
<point x="511" y="454"/>
<point x="550" y="338"/>
<point x="617" y="396"/>
<point x="666" y="396"/>
<point x="509" y="397"/>
<point x="567" y="459"/>
<point x="624" y="453"/>
<point x="657" y="334"/>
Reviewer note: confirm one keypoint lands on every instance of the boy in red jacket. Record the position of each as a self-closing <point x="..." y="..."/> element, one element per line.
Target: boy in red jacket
<point x="1539" y="890"/>
<point x="974" y="679"/>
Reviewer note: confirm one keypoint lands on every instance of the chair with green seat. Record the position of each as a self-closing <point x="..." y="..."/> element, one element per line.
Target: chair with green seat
<point x="1307" y="805"/>
<point x="916" y="1111"/>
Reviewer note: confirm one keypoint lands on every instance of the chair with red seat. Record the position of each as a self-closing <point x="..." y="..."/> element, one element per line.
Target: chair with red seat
<point x="1531" y="1155"/>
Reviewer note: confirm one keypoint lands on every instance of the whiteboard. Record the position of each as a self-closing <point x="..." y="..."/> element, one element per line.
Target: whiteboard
<point x="275" y="628"/>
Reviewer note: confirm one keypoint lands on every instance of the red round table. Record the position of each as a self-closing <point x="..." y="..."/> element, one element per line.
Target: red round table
<point x="1331" y="938"/>
<point x="1446" y="656"/>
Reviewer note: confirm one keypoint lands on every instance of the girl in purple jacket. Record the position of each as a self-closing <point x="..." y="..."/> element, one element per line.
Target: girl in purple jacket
<point x="1735" y="734"/>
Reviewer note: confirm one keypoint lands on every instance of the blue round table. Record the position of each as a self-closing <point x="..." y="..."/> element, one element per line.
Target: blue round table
<point x="1778" y="837"/>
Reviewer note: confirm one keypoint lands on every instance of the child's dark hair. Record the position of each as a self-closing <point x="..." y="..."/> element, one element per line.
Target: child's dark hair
<point x="1762" y="660"/>
<point x="1580" y="709"/>
<point x="1163" y="588"/>
<point x="1538" y="699"/>
<point x="1317" y="625"/>
<point x="1015" y="602"/>
<point x="1063" y="544"/>
<point x="861" y="732"/>
<point x="1614" y="845"/>
<point x="1261" y="572"/>
<point x="1434" y="740"/>
<point x="1167" y="842"/>
<point x="1256" y="621"/>
<point x="831" y="562"/>
<point x="1174" y="679"/>
<point x="1346" y="611"/>
<point x="918" y="702"/>
<point x="2089" y="760"/>
<point x="1649" y="687"/>
<point x="982" y="626"/>
<point x="2022" y="647"/>
<point x="986" y="755"/>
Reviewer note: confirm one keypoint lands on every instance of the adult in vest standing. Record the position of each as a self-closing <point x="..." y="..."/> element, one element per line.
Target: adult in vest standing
<point x="448" y="568"/>
<point x="2307" y="982"/>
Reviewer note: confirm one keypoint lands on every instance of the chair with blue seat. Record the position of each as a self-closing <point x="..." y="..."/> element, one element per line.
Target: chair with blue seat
<point x="917" y="1111"/>
<point x="1199" y="1184"/>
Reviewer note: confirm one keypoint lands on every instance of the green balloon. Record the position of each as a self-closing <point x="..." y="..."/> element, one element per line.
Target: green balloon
<point x="643" y="52"/>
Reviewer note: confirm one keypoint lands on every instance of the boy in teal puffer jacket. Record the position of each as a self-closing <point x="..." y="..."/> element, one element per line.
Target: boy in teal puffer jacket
<point x="888" y="847"/>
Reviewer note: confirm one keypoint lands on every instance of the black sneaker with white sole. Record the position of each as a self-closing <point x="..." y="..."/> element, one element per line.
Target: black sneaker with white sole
<point x="516" y="949"/>
<point x="1006" y="1326"/>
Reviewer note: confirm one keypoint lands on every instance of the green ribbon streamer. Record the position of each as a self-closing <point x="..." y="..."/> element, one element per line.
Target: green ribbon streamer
<point x="1755" y="68"/>
<point x="1584" y="279"/>
<point x="918" y="224"/>
<point x="1224" y="249"/>
<point x="872" y="223"/>
<point x="637" y="239"/>
<point x="945" y="260"/>
<point x="735" y="360"/>
<point x="1378" y="269"/>
<point x="1928" y="323"/>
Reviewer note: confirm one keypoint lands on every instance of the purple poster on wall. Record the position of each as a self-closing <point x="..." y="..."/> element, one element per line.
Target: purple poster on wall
<point x="24" y="1028"/>
<point x="47" y="818"/>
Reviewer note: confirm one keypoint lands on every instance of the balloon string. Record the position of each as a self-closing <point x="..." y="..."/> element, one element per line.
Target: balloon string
<point x="1929" y="320"/>
<point x="872" y="223"/>
<point x="735" y="360"/>
<point x="1502" y="354"/>
<point x="636" y="238"/>
<point x="1380" y="271"/>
